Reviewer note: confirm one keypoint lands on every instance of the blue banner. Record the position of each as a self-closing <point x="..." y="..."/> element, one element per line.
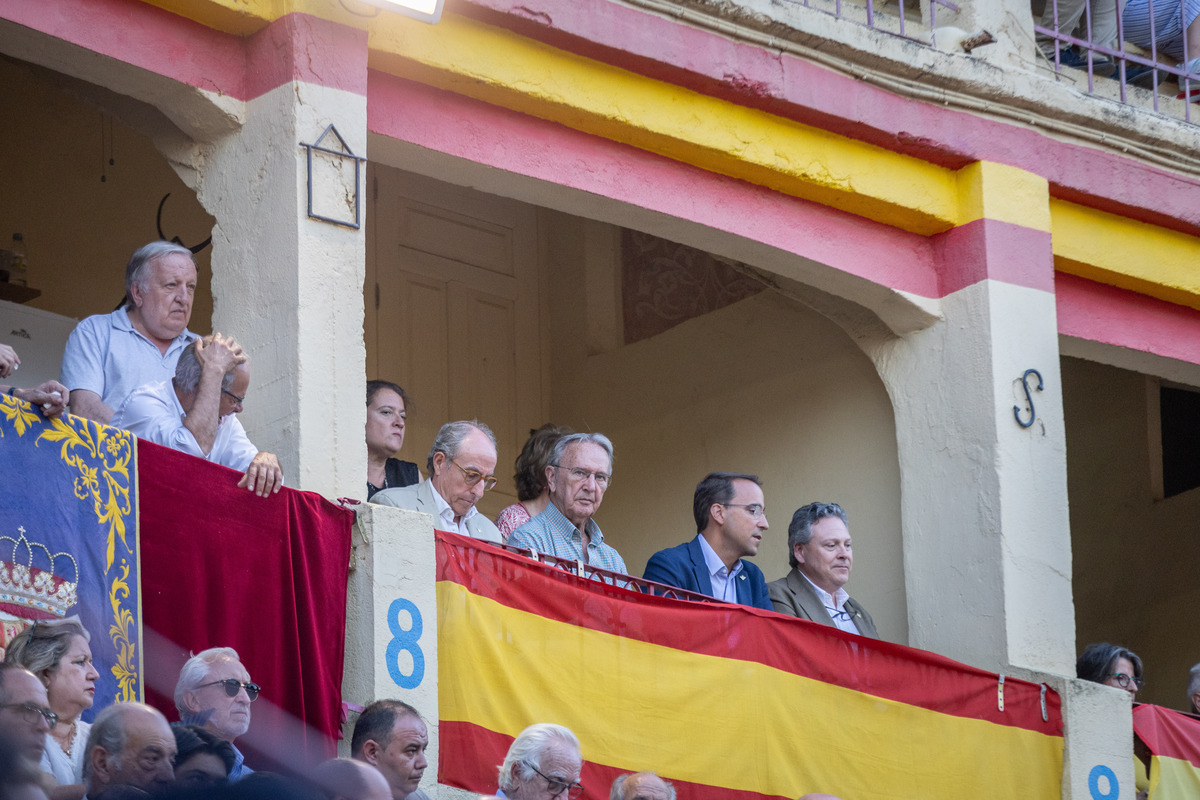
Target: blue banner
<point x="69" y="538"/>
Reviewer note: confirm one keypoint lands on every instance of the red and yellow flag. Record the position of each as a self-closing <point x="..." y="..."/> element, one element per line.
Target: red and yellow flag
<point x="725" y="701"/>
<point x="1174" y="743"/>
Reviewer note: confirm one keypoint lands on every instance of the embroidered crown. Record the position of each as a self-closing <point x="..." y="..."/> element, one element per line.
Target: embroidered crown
<point x="32" y="582"/>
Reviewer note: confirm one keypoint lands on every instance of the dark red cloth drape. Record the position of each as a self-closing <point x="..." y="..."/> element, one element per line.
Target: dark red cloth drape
<point x="267" y="577"/>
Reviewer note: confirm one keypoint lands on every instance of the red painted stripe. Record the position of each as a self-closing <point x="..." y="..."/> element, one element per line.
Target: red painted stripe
<point x="296" y="47"/>
<point x="1101" y="313"/>
<point x="469" y="757"/>
<point x="1168" y="733"/>
<point x="988" y="248"/>
<point x="882" y="669"/>
<point x="465" y="128"/>
<point x="662" y="48"/>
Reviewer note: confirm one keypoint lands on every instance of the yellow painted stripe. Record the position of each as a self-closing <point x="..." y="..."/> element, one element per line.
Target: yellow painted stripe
<point x="717" y="721"/>
<point x="1111" y="249"/>
<point x="987" y="190"/>
<point x="1173" y="779"/>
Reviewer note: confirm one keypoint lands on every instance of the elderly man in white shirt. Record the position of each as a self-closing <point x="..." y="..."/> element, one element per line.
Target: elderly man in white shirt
<point x="195" y="412"/>
<point x="462" y="466"/>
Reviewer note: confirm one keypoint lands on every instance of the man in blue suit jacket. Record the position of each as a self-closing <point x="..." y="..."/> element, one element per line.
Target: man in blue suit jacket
<point x="730" y="520"/>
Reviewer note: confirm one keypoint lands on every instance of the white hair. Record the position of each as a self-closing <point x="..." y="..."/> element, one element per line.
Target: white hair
<point x="197" y="670"/>
<point x="529" y="747"/>
<point x="618" y="787"/>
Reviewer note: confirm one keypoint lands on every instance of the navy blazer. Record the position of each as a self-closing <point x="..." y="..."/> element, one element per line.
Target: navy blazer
<point x="684" y="566"/>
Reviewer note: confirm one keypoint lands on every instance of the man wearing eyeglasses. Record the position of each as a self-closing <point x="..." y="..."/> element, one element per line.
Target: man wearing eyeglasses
<point x="196" y="412"/>
<point x="731" y="519"/>
<point x="821" y="557"/>
<point x="215" y="692"/>
<point x="461" y="466"/>
<point x="25" y="715"/>
<point x="579" y="472"/>
<point x="543" y="763"/>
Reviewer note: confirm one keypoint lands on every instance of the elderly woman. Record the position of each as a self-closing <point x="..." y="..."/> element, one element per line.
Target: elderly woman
<point x="530" y="478"/>
<point x="386" y="414"/>
<point x="201" y="759"/>
<point x="1111" y="665"/>
<point x="58" y="652"/>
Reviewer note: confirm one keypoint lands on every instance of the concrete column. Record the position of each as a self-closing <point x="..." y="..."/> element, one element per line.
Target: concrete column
<point x="391" y="620"/>
<point x="987" y="544"/>
<point x="289" y="287"/>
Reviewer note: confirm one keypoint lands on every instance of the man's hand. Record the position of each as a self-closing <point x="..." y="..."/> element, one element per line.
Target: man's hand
<point x="9" y="361"/>
<point x="220" y="355"/>
<point x="50" y="398"/>
<point x="264" y="476"/>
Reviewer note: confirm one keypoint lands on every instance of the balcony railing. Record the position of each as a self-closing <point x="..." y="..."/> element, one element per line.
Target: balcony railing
<point x="905" y="18"/>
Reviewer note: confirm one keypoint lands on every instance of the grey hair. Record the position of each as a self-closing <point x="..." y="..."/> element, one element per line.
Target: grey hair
<point x="188" y="369"/>
<point x="108" y="731"/>
<point x="1194" y="684"/>
<point x="450" y="438"/>
<point x="560" y="447"/>
<point x="196" y="670"/>
<point x="618" y="787"/>
<point x="800" y="529"/>
<point x="137" y="268"/>
<point x="529" y="746"/>
<point x="39" y="648"/>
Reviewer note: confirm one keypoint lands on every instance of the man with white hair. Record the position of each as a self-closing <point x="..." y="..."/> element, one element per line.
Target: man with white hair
<point x="215" y="692"/>
<point x="196" y="412"/>
<point x="110" y="355"/>
<point x="543" y="763"/>
<point x="641" y="786"/>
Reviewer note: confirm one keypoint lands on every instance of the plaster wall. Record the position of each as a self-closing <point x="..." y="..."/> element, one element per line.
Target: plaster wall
<point x="764" y="386"/>
<point x="1135" y="556"/>
<point x="80" y="231"/>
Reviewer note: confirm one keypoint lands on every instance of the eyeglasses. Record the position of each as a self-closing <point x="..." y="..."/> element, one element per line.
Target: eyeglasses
<point x="239" y="400"/>
<point x="755" y="509"/>
<point x="557" y="786"/>
<point x="233" y="686"/>
<point x="603" y="479"/>
<point x="31" y="711"/>
<point x="1124" y="680"/>
<point x="474" y="476"/>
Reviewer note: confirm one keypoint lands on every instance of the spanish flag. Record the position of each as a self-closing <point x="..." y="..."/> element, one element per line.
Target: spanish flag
<point x="1173" y="740"/>
<point x="725" y="701"/>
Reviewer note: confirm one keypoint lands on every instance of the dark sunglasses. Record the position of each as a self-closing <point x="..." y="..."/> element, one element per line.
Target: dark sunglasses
<point x="233" y="686"/>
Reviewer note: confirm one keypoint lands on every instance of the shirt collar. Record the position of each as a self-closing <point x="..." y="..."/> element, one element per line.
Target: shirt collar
<point x="568" y="529"/>
<point x="446" y="512"/>
<point x="716" y="567"/>
<point x="830" y="600"/>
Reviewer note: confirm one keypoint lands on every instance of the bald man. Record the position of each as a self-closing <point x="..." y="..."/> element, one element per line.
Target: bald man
<point x="347" y="779"/>
<point x="641" y="786"/>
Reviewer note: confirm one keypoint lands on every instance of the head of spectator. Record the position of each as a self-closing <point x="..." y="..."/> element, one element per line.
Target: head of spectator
<point x="462" y="464"/>
<point x="1111" y="665"/>
<point x="543" y="763"/>
<point x="229" y="360"/>
<point x="348" y="779"/>
<point x="201" y="759"/>
<point x="130" y="744"/>
<point x="214" y="692"/>
<point x="58" y="653"/>
<point x="160" y="285"/>
<point x="818" y="796"/>
<point x="20" y="779"/>
<point x="391" y="737"/>
<point x="25" y="715"/>
<point x="730" y="514"/>
<point x="530" y="476"/>
<point x="1194" y="689"/>
<point x="387" y="415"/>
<point x="578" y="474"/>
<point x="819" y="545"/>
<point x="641" y="786"/>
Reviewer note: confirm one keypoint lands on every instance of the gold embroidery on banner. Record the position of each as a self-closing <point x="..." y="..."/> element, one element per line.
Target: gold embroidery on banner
<point x="102" y="456"/>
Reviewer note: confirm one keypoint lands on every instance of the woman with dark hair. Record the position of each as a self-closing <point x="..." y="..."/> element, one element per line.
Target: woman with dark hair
<point x="387" y="412"/>
<point x="59" y="654"/>
<point x="1111" y="665"/>
<point x="530" y="478"/>
<point x="201" y="759"/>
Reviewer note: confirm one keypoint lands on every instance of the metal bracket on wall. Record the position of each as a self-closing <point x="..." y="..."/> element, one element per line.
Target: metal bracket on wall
<point x="1028" y="398"/>
<point x="343" y="152"/>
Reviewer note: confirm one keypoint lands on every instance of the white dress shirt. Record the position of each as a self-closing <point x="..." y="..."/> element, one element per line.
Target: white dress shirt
<point x="834" y="604"/>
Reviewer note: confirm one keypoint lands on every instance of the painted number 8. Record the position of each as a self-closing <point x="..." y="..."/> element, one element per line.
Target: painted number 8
<point x="405" y="641"/>
<point x="1100" y="771"/>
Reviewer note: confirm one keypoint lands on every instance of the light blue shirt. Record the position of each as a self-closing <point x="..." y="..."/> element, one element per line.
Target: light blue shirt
<point x="107" y="355"/>
<point x="240" y="770"/>
<point x="723" y="587"/>
<point x="551" y="532"/>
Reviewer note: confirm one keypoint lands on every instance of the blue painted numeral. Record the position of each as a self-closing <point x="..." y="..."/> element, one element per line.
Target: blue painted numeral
<point x="1100" y="771"/>
<point x="405" y="641"/>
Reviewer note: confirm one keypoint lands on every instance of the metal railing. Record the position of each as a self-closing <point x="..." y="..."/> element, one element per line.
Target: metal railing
<point x="1157" y="29"/>
<point x="875" y="14"/>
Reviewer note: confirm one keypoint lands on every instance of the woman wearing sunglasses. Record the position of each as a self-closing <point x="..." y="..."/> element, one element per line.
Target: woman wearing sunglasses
<point x="215" y="692"/>
<point x="59" y="654"/>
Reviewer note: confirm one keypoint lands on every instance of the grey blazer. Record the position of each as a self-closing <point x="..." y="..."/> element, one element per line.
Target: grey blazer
<point x="420" y="498"/>
<point x="794" y="596"/>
